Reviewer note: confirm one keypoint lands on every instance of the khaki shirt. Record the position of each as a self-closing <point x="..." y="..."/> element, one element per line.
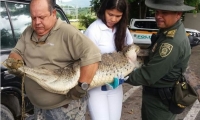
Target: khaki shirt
<point x="63" y="45"/>
<point x="169" y="54"/>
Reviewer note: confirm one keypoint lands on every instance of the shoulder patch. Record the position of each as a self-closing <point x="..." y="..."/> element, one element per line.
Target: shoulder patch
<point x="165" y="49"/>
<point x="171" y="33"/>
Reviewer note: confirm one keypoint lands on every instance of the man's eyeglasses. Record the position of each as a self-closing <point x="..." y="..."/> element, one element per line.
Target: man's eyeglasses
<point x="39" y="42"/>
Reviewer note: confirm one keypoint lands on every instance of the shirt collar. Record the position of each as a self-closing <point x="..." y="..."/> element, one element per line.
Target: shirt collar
<point x="102" y="25"/>
<point x="44" y="37"/>
<point x="178" y="23"/>
<point x="58" y="24"/>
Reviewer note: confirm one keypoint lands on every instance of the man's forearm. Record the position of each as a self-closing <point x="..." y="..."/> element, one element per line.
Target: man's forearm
<point x="16" y="56"/>
<point x="87" y="72"/>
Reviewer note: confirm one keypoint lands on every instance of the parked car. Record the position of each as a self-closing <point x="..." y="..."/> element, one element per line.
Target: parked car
<point x="142" y="29"/>
<point x="14" y="19"/>
<point x="194" y="36"/>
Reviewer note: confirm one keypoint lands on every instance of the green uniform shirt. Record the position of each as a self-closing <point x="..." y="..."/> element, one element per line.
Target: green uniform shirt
<point x="63" y="45"/>
<point x="168" y="56"/>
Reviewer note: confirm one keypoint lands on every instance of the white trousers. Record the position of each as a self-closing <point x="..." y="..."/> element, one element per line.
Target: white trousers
<point x="105" y="105"/>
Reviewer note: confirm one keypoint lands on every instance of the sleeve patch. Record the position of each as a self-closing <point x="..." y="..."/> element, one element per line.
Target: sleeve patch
<point x="165" y="49"/>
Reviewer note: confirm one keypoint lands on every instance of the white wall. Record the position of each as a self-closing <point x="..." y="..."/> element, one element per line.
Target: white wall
<point x="192" y="21"/>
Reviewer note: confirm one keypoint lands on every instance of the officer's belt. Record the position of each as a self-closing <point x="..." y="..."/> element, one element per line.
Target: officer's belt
<point x="169" y="79"/>
<point x="164" y="93"/>
<point x="151" y="90"/>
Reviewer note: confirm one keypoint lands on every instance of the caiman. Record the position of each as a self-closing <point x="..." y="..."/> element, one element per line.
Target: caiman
<point x="62" y="80"/>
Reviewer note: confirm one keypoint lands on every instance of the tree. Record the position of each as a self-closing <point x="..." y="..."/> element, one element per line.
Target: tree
<point x="195" y="3"/>
<point x="138" y="9"/>
<point x="86" y="20"/>
<point x="95" y="5"/>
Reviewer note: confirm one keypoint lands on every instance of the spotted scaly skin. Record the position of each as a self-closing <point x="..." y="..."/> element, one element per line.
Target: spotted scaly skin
<point x="62" y="80"/>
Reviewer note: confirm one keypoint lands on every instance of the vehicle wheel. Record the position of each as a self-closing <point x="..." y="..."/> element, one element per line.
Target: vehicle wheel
<point x="6" y="114"/>
<point x="198" y="42"/>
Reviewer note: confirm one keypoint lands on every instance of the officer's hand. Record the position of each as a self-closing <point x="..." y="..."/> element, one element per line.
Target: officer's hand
<point x="117" y="81"/>
<point x="76" y="93"/>
<point x="13" y="65"/>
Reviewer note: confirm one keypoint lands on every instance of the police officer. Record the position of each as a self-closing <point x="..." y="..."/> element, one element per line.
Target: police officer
<point x="168" y="57"/>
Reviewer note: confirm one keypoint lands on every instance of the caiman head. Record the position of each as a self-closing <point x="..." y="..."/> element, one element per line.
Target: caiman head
<point x="130" y="52"/>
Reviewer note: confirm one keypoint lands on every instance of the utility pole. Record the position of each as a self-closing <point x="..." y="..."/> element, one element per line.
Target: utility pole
<point x="76" y="11"/>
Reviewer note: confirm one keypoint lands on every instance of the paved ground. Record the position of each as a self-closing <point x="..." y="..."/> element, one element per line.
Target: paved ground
<point x="132" y="96"/>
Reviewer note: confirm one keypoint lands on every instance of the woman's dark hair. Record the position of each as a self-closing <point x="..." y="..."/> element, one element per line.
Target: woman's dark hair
<point x="120" y="5"/>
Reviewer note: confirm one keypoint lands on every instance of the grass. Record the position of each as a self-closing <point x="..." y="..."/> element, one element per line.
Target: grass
<point x="77" y="25"/>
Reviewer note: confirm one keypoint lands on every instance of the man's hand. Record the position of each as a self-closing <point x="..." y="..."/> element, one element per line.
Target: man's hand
<point x="117" y="81"/>
<point x="76" y="93"/>
<point x="13" y="65"/>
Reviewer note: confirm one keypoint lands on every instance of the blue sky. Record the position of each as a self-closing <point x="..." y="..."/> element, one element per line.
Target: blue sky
<point x="78" y="3"/>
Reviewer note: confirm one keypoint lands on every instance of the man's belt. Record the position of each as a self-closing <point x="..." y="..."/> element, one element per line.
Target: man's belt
<point x="165" y="94"/>
<point x="150" y="90"/>
<point x="169" y="79"/>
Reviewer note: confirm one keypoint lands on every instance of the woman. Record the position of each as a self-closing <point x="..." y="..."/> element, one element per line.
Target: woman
<point x="109" y="32"/>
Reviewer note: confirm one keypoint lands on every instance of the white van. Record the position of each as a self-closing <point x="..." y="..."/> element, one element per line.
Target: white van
<point x="142" y="29"/>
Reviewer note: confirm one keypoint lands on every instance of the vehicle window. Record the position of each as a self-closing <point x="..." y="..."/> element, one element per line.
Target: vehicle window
<point x="59" y="14"/>
<point x="140" y="24"/>
<point x="152" y="25"/>
<point x="191" y="33"/>
<point x="20" y="17"/>
<point x="146" y="24"/>
<point x="7" y="40"/>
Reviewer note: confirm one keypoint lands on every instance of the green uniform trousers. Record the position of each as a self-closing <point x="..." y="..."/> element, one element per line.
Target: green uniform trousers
<point x="154" y="109"/>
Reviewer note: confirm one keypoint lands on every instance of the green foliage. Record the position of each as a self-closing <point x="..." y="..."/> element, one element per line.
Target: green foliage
<point x="69" y="16"/>
<point x="84" y="11"/>
<point x="95" y="5"/>
<point x="138" y="9"/>
<point x="194" y="3"/>
<point x="86" y="20"/>
<point x="191" y="2"/>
